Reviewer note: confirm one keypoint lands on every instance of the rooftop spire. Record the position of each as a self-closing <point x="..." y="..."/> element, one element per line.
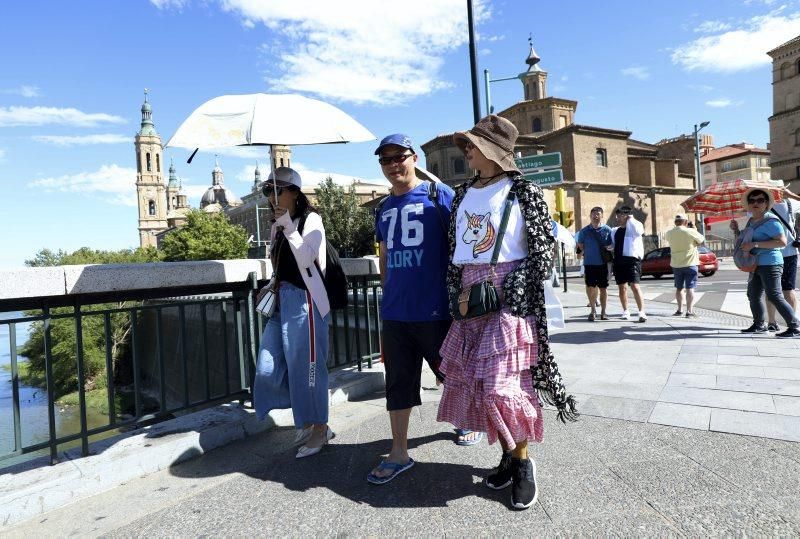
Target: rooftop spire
<point x="173" y="179"/>
<point x="147" y="127"/>
<point x="532" y="58"/>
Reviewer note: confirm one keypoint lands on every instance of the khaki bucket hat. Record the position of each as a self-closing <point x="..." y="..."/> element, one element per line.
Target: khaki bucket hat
<point x="494" y="137"/>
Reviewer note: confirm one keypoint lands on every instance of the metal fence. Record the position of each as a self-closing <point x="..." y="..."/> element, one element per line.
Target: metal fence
<point x="179" y="354"/>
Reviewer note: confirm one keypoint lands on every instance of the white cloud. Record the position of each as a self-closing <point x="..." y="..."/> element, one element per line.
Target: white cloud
<point x="493" y="38"/>
<point x="741" y="49"/>
<point x="700" y="87"/>
<point x="247" y="174"/>
<point x="723" y="102"/>
<point x="34" y="116"/>
<point x="112" y="183"/>
<point x="315" y="177"/>
<point x="357" y="51"/>
<point x="83" y="140"/>
<point x="25" y="90"/>
<point x="2" y="154"/>
<point x="169" y="4"/>
<point x="637" y="72"/>
<point x="485" y="52"/>
<point x="712" y="27"/>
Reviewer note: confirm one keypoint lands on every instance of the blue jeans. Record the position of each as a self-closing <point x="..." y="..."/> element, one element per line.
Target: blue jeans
<point x="292" y="370"/>
<point x="768" y="279"/>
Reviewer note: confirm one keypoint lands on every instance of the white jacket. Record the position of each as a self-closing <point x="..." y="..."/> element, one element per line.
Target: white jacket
<point x="633" y="245"/>
<point x="308" y="248"/>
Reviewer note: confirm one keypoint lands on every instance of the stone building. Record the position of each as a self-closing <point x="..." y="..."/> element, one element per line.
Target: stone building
<point x="735" y="161"/>
<point x="161" y="206"/>
<point x="218" y="197"/>
<point x="784" y="124"/>
<point x="601" y="166"/>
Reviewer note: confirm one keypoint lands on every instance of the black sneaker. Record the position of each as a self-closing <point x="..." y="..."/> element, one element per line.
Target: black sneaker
<point x="791" y="332"/>
<point x="523" y="487"/>
<point x="773" y="327"/>
<point x="501" y="477"/>
<point x="755" y="329"/>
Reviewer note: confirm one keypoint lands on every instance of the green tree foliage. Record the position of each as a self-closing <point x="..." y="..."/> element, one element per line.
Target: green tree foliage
<point x="63" y="339"/>
<point x="205" y="236"/>
<point x="348" y="226"/>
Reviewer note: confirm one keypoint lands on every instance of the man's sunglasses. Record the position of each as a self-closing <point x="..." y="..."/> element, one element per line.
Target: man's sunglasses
<point x="396" y="159"/>
<point x="759" y="200"/>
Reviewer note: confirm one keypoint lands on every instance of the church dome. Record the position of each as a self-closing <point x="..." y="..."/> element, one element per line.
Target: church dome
<point x="219" y="194"/>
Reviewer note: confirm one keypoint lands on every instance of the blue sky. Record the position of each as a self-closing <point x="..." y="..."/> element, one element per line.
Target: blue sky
<point x="72" y="74"/>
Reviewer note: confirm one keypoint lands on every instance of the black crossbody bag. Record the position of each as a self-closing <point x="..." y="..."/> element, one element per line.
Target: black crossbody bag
<point x="606" y="255"/>
<point x="482" y="298"/>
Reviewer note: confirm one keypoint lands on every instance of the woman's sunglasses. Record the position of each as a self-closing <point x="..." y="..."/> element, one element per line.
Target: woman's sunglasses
<point x="759" y="200"/>
<point x="269" y="189"/>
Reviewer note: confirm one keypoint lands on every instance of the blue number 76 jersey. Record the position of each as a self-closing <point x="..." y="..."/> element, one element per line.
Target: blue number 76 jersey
<point x="415" y="232"/>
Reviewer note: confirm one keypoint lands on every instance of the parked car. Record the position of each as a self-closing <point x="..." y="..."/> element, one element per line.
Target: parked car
<point x="656" y="262"/>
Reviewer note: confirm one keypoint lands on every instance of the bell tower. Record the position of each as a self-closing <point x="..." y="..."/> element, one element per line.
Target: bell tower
<point x="150" y="189"/>
<point x="534" y="81"/>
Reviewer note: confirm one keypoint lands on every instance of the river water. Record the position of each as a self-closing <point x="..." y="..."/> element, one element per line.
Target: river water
<point x="33" y="401"/>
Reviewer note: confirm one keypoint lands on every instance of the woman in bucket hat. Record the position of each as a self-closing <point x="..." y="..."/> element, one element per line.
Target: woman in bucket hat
<point x="493" y="363"/>
<point x="767" y="240"/>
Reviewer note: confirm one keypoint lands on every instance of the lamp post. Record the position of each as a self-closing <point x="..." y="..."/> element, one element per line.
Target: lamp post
<point x="473" y="65"/>
<point x="698" y="168"/>
<point x="486" y="81"/>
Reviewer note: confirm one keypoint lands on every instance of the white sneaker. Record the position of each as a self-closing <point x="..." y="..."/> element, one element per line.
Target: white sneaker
<point x="626" y="315"/>
<point x="642" y="317"/>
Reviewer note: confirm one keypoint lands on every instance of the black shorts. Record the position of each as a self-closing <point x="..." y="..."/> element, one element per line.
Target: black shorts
<point x="789" y="275"/>
<point x="405" y="344"/>
<point x="596" y="276"/>
<point x="627" y="270"/>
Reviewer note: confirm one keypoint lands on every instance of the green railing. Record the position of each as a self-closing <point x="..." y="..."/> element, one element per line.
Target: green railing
<point x="190" y="351"/>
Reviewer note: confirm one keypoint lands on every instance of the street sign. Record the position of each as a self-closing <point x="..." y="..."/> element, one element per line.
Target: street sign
<point x="535" y="162"/>
<point x="544" y="179"/>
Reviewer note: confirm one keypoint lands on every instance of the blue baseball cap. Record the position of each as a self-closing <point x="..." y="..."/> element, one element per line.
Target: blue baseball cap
<point x="397" y="139"/>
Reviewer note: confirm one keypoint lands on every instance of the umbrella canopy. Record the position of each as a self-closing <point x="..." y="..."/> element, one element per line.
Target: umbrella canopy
<point x="563" y="235"/>
<point x="264" y="119"/>
<point x="726" y="197"/>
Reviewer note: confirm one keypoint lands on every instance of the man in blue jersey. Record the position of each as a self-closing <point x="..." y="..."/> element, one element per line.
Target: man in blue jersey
<point x="593" y="240"/>
<point x="411" y="229"/>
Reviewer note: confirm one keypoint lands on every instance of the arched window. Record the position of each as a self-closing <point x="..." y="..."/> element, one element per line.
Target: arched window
<point x="601" y="157"/>
<point x="527" y="91"/>
<point x="147" y="159"/>
<point x="158" y="163"/>
<point x="435" y="169"/>
<point x="173" y="202"/>
<point x="786" y="70"/>
<point x="537" y="124"/>
<point x="281" y="161"/>
<point x="151" y="206"/>
<point x="458" y="166"/>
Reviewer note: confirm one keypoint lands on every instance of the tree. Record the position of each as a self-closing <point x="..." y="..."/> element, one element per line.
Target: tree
<point x="205" y="236"/>
<point x="348" y="226"/>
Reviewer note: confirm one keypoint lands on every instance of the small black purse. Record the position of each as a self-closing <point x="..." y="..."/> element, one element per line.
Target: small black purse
<point x="482" y="298"/>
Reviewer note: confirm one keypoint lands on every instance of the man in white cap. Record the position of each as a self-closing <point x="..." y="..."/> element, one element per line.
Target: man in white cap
<point x="684" y="258"/>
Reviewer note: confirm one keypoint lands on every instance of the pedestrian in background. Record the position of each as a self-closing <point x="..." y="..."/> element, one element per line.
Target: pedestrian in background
<point x="592" y="240"/>
<point x="292" y="370"/>
<point x="787" y="212"/>
<point x="628" y="249"/>
<point x="767" y="241"/>
<point x="684" y="259"/>
<point x="493" y="361"/>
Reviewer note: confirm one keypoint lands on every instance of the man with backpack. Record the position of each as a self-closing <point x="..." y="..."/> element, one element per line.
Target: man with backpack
<point x="411" y="230"/>
<point x="592" y="240"/>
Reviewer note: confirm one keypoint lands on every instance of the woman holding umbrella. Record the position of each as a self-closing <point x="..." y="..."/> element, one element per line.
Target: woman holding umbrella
<point x="766" y="243"/>
<point x="492" y="362"/>
<point x="291" y="371"/>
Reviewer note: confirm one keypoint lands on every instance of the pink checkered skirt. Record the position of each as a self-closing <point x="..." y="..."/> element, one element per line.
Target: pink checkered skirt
<point x="486" y="362"/>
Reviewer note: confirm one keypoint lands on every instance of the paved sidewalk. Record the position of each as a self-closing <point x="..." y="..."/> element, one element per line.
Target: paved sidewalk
<point x="623" y="469"/>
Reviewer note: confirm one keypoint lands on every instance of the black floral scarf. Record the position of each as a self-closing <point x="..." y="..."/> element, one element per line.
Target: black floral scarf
<point x="523" y="288"/>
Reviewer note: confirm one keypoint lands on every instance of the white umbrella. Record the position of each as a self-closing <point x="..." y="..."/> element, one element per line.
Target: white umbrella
<point x="563" y="235"/>
<point x="264" y="119"/>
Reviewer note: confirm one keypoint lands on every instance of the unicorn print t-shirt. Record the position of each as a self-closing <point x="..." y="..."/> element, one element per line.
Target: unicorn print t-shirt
<point x="478" y="222"/>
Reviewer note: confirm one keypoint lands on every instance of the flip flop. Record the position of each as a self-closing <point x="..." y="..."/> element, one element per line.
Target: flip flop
<point x="395" y="468"/>
<point x="465" y="432"/>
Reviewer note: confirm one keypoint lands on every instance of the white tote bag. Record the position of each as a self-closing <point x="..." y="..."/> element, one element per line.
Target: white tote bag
<point x="555" y="311"/>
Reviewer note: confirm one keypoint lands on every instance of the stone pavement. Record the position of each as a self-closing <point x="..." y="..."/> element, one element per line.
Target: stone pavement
<point x="623" y="469"/>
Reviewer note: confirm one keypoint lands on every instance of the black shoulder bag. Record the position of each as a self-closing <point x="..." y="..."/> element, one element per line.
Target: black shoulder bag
<point x="606" y="255"/>
<point x="482" y="298"/>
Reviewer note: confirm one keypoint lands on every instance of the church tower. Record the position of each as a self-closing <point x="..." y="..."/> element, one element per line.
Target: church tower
<point x="538" y="113"/>
<point x="173" y="188"/>
<point x="150" y="189"/>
